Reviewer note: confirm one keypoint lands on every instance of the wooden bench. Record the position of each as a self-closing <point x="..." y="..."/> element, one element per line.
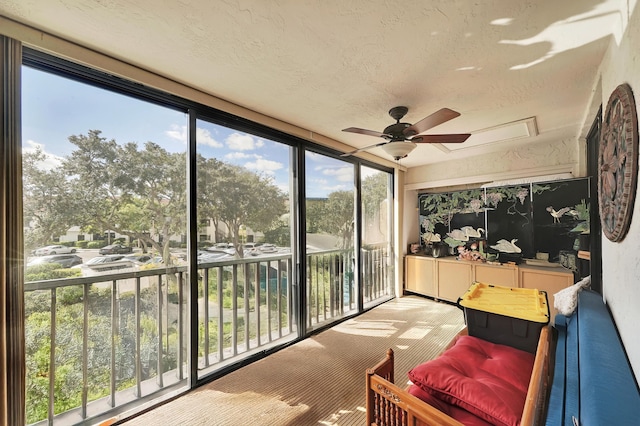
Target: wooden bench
<point x="390" y="405"/>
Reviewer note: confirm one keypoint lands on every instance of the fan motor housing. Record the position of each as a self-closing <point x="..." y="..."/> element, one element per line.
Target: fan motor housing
<point x="396" y="131"/>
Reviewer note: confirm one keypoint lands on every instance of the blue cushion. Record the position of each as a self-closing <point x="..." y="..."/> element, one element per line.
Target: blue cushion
<point x="572" y="372"/>
<point x="555" y="410"/>
<point x="608" y="389"/>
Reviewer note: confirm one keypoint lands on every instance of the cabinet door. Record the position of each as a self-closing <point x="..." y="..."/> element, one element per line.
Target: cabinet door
<point x="420" y="275"/>
<point x="503" y="275"/>
<point x="547" y="280"/>
<point x="454" y="278"/>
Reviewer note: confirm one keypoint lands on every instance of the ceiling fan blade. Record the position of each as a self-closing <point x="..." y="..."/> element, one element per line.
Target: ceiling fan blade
<point x="346" y="154"/>
<point x="448" y="138"/>
<point x="366" y="132"/>
<point x="438" y="117"/>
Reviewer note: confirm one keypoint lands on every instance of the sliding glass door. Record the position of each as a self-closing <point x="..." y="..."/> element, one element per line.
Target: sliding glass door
<point x="331" y="290"/>
<point x="244" y="202"/>
<point x="377" y="232"/>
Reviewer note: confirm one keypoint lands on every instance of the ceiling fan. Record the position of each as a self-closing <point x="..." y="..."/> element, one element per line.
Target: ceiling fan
<point x="401" y="138"/>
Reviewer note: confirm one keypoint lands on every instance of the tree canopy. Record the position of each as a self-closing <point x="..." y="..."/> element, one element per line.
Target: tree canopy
<point x="141" y="192"/>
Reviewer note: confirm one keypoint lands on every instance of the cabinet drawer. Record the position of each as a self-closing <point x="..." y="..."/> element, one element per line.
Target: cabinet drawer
<point x="505" y="275"/>
<point x="454" y="278"/>
<point x="420" y="275"/>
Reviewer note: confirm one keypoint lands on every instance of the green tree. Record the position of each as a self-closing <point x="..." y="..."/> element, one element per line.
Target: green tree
<point x="375" y="190"/>
<point x="248" y="199"/>
<point x="46" y="201"/>
<point x="210" y="206"/>
<point x="338" y="217"/>
<point x="135" y="192"/>
<point x="314" y="212"/>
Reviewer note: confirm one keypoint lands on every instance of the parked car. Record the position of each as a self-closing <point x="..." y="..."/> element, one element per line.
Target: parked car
<point x="139" y="259"/>
<point x="222" y="245"/>
<point x="64" y="260"/>
<point x="115" y="249"/>
<point x="268" y="248"/>
<point x="212" y="255"/>
<point x="98" y="260"/>
<point x="101" y="264"/>
<point x="54" y="249"/>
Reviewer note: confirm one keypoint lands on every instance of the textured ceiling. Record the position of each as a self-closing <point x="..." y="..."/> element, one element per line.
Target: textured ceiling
<point x="327" y="65"/>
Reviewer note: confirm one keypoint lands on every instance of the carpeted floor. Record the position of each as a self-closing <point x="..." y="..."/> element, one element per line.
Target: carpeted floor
<point x="319" y="381"/>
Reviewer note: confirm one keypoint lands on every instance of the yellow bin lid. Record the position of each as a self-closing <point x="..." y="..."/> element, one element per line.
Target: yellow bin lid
<point x="523" y="303"/>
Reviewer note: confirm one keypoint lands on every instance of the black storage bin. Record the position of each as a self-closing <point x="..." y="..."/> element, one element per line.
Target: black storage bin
<point x="505" y="315"/>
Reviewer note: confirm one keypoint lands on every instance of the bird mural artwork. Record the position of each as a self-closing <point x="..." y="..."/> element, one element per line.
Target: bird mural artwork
<point x="505" y="246"/>
<point x="558" y="214"/>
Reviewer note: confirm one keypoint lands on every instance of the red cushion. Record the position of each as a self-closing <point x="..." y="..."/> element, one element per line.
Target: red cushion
<point x="463" y="416"/>
<point x="484" y="378"/>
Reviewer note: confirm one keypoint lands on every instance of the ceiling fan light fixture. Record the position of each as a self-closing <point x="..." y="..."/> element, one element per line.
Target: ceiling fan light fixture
<point x="398" y="149"/>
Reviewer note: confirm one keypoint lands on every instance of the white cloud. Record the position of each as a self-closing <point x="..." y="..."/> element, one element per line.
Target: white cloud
<point x="177" y="132"/>
<point x="203" y="136"/>
<point x="333" y="188"/>
<point x="243" y="142"/>
<point x="322" y="182"/>
<point x="313" y="156"/>
<point x="50" y="162"/>
<point x="265" y="166"/>
<point x="239" y="156"/>
<point x="284" y="187"/>
<point x="342" y="174"/>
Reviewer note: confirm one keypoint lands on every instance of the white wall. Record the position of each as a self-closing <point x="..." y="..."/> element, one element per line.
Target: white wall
<point x="548" y="158"/>
<point x="621" y="261"/>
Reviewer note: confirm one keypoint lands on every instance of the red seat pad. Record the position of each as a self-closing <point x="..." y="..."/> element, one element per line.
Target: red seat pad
<point x="463" y="416"/>
<point x="484" y="378"/>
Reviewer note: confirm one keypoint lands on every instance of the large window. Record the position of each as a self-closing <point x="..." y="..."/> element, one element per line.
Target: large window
<point x="163" y="244"/>
<point x="113" y="169"/>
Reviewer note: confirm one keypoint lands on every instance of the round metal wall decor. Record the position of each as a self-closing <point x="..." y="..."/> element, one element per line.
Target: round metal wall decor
<point x="618" y="163"/>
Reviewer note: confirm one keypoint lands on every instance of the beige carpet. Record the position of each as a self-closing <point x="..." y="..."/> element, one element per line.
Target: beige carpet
<point x="319" y="381"/>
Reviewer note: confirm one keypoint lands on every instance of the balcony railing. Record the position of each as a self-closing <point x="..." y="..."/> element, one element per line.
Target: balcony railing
<point x="100" y="345"/>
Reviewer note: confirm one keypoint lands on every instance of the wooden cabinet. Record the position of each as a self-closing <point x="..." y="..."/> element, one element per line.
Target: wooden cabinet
<point x="448" y="279"/>
<point x="420" y="275"/>
<point x="503" y="275"/>
<point x="454" y="278"/>
<point x="551" y="280"/>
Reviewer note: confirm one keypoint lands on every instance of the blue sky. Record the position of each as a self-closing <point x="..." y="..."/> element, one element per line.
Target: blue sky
<point x="54" y="108"/>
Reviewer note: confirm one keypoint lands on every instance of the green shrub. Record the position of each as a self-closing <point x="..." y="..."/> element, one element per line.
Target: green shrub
<point x="96" y="244"/>
<point x="82" y="244"/>
<point x="49" y="271"/>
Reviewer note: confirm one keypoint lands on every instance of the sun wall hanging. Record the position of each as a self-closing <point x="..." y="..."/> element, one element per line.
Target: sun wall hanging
<point x="618" y="163"/>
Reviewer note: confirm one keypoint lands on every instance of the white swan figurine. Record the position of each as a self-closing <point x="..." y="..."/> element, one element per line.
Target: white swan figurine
<point x="430" y="237"/>
<point x="459" y="235"/>
<point x="471" y="232"/>
<point x="505" y="246"/>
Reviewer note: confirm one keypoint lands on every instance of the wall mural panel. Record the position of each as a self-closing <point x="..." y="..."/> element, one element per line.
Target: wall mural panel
<point x="561" y="212"/>
<point x="506" y="223"/>
<point x="509" y="217"/>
